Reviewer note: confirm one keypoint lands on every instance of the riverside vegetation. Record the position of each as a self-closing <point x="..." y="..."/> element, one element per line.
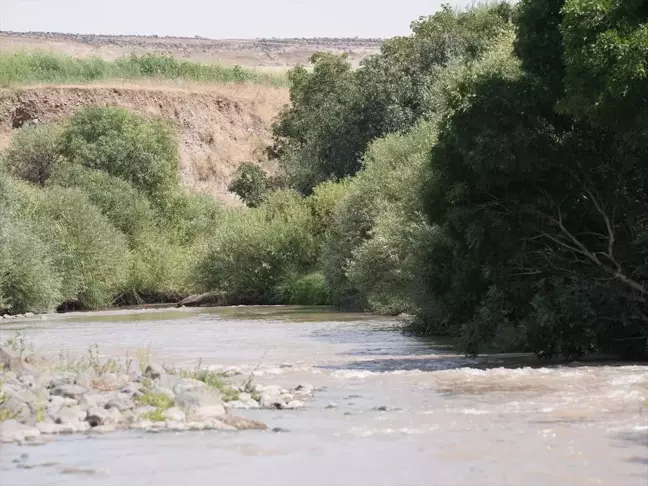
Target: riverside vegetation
<point x="485" y="175"/>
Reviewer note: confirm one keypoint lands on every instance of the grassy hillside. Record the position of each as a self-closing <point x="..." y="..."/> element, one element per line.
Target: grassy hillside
<point x="36" y="67"/>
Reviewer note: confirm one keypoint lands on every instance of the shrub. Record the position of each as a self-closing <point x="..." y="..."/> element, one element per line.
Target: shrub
<point x="88" y="252"/>
<point x="250" y="184"/>
<point x="28" y="279"/>
<point x="251" y="250"/>
<point x="390" y="182"/>
<point x="296" y="289"/>
<point x="34" y="153"/>
<point x="126" y="208"/>
<point x="123" y="144"/>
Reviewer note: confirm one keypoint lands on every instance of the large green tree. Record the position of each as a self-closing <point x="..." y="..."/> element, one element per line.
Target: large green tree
<point x="541" y="201"/>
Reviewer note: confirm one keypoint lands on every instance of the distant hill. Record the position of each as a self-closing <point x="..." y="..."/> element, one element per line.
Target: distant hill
<point x="265" y="53"/>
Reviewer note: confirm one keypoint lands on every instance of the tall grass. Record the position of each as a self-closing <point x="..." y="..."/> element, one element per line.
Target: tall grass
<point x="37" y="67"/>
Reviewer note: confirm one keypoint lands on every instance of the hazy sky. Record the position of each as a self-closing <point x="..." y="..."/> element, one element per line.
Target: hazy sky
<point x="219" y="18"/>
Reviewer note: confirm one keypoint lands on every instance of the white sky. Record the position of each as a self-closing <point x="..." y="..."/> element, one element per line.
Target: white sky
<point x="219" y="18"/>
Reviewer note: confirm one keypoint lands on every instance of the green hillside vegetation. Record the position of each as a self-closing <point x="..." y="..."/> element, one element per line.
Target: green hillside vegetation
<point x="17" y="68"/>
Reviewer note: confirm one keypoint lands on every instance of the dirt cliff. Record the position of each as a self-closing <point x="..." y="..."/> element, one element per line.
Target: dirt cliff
<point x="219" y="126"/>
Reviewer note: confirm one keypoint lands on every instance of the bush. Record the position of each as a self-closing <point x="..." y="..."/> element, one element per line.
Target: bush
<point x="91" y="256"/>
<point x="251" y="250"/>
<point x="159" y="269"/>
<point x="250" y="184"/>
<point x="389" y="183"/>
<point x="28" y="279"/>
<point x="141" y="151"/>
<point x="34" y="153"/>
<point x="296" y="289"/>
<point x="124" y="206"/>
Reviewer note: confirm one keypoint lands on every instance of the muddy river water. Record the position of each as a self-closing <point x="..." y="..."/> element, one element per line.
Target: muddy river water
<point x="392" y="410"/>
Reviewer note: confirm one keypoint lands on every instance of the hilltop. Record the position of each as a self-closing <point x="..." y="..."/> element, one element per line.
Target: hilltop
<point x="266" y="53"/>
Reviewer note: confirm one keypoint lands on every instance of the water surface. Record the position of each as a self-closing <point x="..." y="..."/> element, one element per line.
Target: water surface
<point x="450" y="420"/>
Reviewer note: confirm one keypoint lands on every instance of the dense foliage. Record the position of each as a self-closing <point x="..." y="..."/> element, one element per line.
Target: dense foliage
<point x="335" y="112"/>
<point x="485" y="175"/>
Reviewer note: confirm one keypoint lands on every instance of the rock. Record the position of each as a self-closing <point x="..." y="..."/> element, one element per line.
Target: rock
<point x="243" y="423"/>
<point x="159" y="425"/>
<point x="12" y="361"/>
<point x="294" y="404"/>
<point x="14" y="431"/>
<point x="188" y="384"/>
<point x="109" y="382"/>
<point x="177" y="426"/>
<point x="69" y="391"/>
<point x="46" y="427"/>
<point x="201" y="404"/>
<point x="103" y="429"/>
<point x="27" y="380"/>
<point x="18" y="409"/>
<point x="236" y="404"/>
<point x="99" y="416"/>
<point x="154" y="371"/>
<point x="232" y="371"/>
<point x="144" y="424"/>
<point x="29" y="314"/>
<point x="143" y="410"/>
<point x="208" y="299"/>
<point x="280" y="430"/>
<point x="174" y="414"/>
<point x="91" y="400"/>
<point x="243" y="396"/>
<point x="56" y="403"/>
<point x="121" y="403"/>
<point x="209" y="411"/>
<point x="9" y="377"/>
<point x="308" y="389"/>
<point x="216" y="424"/>
<point x="68" y="415"/>
<point x="331" y="405"/>
<point x="86" y="378"/>
<point x="132" y="389"/>
<point x="25" y="396"/>
<point x="195" y="425"/>
<point x="64" y="378"/>
<point x="166" y="392"/>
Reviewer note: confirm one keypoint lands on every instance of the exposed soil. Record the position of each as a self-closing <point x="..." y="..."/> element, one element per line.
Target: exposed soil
<point x="219" y="126"/>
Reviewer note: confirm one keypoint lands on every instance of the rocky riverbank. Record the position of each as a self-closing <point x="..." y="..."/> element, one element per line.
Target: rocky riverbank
<point x="40" y="399"/>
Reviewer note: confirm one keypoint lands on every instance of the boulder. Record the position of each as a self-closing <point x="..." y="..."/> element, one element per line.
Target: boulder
<point x="154" y="371"/>
<point x="173" y="425"/>
<point x="14" y="431"/>
<point x="69" y="391"/>
<point x="90" y="400"/>
<point x="242" y="423"/>
<point x="103" y="429"/>
<point x="201" y="404"/>
<point x="100" y="416"/>
<point x="47" y="427"/>
<point x="174" y="414"/>
<point x="17" y="409"/>
<point x="121" y="402"/>
<point x="69" y="415"/>
<point x="294" y="404"/>
<point x="197" y="300"/>
<point x="13" y="361"/>
<point x="132" y="389"/>
<point x="188" y="384"/>
<point x="64" y="378"/>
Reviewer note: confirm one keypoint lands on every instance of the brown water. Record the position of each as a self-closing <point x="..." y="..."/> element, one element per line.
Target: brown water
<point x="496" y="420"/>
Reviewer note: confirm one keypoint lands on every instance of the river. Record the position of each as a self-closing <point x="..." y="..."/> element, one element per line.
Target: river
<point x="445" y="419"/>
